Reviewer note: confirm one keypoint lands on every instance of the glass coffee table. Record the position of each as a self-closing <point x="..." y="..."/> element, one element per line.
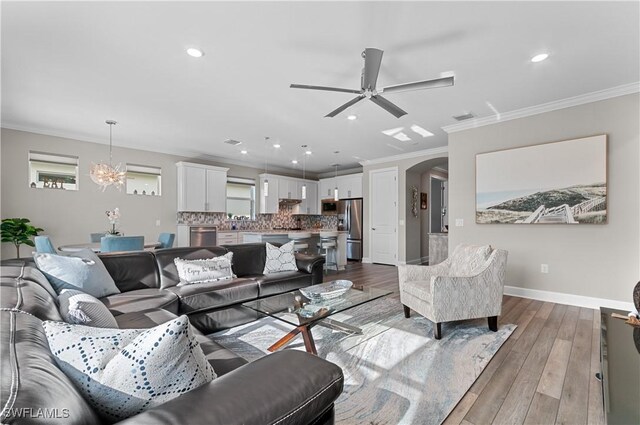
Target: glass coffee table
<point x="304" y="313"/>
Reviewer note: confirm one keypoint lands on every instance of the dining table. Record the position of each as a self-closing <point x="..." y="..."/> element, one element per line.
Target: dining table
<point x="95" y="246"/>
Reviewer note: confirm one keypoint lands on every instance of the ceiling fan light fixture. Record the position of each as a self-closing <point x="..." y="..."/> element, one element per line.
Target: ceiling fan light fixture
<point x="539" y="57"/>
<point x="421" y="131"/>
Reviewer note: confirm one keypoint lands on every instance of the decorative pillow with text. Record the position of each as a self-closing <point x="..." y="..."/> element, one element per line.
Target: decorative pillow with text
<point x="208" y="270"/>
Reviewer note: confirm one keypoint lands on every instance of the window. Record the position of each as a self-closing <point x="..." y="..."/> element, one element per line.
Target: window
<point x="144" y="180"/>
<point x="241" y="199"/>
<point x="53" y="171"/>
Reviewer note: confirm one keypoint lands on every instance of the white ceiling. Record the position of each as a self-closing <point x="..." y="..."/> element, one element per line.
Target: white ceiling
<point x="69" y="66"/>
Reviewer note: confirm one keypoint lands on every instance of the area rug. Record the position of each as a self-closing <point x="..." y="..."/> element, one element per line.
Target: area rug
<point x="395" y="372"/>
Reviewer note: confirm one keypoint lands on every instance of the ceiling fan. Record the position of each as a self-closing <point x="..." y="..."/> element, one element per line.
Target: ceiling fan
<point x="372" y="59"/>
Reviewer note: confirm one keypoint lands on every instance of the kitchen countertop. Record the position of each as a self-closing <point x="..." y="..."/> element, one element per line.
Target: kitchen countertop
<point x="262" y="231"/>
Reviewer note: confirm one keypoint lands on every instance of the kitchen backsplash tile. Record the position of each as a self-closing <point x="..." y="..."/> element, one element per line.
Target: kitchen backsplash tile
<point x="284" y="218"/>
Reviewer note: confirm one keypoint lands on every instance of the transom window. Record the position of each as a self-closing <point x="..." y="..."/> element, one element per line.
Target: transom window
<point x="144" y="180"/>
<point x="53" y="171"/>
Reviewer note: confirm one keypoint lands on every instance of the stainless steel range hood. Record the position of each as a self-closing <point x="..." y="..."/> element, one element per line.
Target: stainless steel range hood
<point x="289" y="201"/>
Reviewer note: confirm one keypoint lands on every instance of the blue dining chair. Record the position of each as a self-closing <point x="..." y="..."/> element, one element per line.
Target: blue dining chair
<point x="95" y="237"/>
<point x="43" y="244"/>
<point x="166" y="240"/>
<point x="121" y="243"/>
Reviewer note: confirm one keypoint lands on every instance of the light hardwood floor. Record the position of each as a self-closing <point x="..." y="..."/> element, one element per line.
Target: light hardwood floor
<point x="543" y="374"/>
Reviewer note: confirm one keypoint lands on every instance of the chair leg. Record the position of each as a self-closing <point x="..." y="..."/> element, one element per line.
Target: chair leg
<point x="407" y="311"/>
<point x="437" y="330"/>
<point x="493" y="323"/>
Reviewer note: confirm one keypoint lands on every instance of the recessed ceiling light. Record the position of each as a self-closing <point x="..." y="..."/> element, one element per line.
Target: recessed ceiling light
<point x="352" y="117"/>
<point x="307" y="152"/>
<point x="275" y="145"/>
<point x="295" y="161"/>
<point x="243" y="152"/>
<point x="196" y="53"/>
<point x="540" y="57"/>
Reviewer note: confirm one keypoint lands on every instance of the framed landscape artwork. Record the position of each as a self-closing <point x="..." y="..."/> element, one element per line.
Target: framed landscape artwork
<point x="560" y="182"/>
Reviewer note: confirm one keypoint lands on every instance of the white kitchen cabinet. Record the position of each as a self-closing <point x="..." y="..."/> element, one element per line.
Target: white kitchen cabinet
<point x="310" y="205"/>
<point x="349" y="186"/>
<point x="226" y="238"/>
<point x="201" y="187"/>
<point x="289" y="188"/>
<point x="269" y="204"/>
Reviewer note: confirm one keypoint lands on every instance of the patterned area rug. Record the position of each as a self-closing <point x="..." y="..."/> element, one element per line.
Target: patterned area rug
<point x="395" y="372"/>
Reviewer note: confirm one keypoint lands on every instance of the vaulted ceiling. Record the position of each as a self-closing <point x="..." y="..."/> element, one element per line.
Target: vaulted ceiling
<point x="69" y="66"/>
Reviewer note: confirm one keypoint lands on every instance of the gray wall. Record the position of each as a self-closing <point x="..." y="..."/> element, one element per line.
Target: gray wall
<point x="599" y="261"/>
<point x="413" y="230"/>
<point x="69" y="216"/>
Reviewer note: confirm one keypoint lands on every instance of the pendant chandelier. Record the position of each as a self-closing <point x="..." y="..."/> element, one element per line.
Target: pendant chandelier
<point x="105" y="175"/>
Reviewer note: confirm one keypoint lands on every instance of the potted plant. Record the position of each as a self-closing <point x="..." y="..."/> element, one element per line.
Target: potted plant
<point x="18" y="231"/>
<point x="114" y="218"/>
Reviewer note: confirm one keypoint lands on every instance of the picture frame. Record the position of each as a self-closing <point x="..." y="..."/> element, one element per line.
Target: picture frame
<point x="562" y="182"/>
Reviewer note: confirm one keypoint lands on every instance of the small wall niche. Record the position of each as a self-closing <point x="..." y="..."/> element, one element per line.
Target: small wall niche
<point x="53" y="171"/>
<point x="144" y="180"/>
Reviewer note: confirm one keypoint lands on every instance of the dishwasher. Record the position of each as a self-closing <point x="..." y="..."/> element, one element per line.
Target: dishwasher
<point x="202" y="236"/>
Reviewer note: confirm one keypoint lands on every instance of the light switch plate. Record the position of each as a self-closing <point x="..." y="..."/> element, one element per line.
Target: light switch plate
<point x="459" y="222"/>
<point x="158" y="222"/>
<point x="401" y="222"/>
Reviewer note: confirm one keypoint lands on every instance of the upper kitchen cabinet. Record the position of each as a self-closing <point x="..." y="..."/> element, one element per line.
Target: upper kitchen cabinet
<point x="269" y="203"/>
<point x="201" y="188"/>
<point x="310" y="205"/>
<point x="349" y="186"/>
<point x="289" y="188"/>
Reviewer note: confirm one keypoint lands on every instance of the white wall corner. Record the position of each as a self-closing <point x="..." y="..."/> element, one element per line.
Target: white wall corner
<point x="569" y="299"/>
<point x="366" y="260"/>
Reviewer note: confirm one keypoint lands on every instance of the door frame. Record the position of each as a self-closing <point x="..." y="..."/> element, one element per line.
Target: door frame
<point x="395" y="211"/>
<point x="442" y="179"/>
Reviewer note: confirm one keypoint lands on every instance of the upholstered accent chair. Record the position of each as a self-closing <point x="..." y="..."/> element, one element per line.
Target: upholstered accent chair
<point x="121" y="243"/>
<point x="467" y="285"/>
<point x="166" y="240"/>
<point x="44" y="244"/>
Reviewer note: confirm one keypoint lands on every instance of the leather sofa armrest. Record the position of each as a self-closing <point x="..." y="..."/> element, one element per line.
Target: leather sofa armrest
<point x="287" y="387"/>
<point x="307" y="263"/>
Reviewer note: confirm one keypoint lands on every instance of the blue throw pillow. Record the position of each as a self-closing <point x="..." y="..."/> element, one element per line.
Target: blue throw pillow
<point x="82" y="270"/>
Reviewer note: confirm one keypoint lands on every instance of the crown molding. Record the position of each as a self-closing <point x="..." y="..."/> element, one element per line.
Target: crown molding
<point x="545" y="107"/>
<point x="408" y="155"/>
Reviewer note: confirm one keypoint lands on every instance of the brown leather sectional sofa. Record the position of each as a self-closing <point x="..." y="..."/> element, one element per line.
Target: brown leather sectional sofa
<point x="282" y="388"/>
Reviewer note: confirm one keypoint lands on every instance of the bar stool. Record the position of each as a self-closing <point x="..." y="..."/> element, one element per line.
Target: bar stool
<point x="328" y="243"/>
<point x="300" y="240"/>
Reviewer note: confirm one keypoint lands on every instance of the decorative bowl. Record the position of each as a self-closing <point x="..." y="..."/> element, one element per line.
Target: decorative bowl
<point x="327" y="291"/>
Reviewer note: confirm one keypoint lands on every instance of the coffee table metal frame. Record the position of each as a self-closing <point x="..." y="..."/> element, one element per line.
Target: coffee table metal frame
<point x="302" y="313"/>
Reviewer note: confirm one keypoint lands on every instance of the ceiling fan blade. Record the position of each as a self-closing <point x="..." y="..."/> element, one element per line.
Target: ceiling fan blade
<point x="304" y="86"/>
<point x="343" y="107"/>
<point x="419" y="85"/>
<point x="372" y="60"/>
<point x="388" y="106"/>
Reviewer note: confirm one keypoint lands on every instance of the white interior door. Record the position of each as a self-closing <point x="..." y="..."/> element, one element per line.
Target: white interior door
<point x="384" y="216"/>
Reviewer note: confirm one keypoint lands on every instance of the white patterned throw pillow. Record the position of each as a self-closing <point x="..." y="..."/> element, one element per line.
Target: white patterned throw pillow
<point x="122" y="372"/>
<point x="280" y="259"/>
<point x="80" y="308"/>
<point x="207" y="270"/>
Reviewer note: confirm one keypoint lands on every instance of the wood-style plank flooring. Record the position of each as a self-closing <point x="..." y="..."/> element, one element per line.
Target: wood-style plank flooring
<point x="543" y="374"/>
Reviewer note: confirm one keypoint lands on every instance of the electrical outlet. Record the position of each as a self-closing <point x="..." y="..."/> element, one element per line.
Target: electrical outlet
<point x="544" y="268"/>
<point x="158" y="223"/>
<point x="459" y="222"/>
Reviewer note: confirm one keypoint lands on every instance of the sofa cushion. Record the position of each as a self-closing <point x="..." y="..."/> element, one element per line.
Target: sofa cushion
<point x="207" y="270"/>
<point x="209" y="295"/>
<point x="31" y="378"/>
<point x="248" y="258"/>
<point x="280" y="259"/>
<point x="123" y="372"/>
<point x="132" y="270"/>
<point x="81" y="308"/>
<point x="19" y="292"/>
<point x="221" y="359"/>
<point x="277" y="283"/>
<point x="141" y="299"/>
<point x="465" y="259"/>
<point x="165" y="264"/>
<point x="81" y="270"/>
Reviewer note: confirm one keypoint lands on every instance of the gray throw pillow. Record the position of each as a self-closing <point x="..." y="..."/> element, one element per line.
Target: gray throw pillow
<point x="281" y="259"/>
<point x="82" y="270"/>
<point x="123" y="372"/>
<point x="80" y="308"/>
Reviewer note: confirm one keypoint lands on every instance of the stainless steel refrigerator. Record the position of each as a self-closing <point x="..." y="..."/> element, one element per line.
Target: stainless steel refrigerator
<point x="350" y="220"/>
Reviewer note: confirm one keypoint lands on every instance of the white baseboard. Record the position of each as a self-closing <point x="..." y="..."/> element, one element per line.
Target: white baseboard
<point x="366" y="260"/>
<point x="570" y="299"/>
<point x="417" y="261"/>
